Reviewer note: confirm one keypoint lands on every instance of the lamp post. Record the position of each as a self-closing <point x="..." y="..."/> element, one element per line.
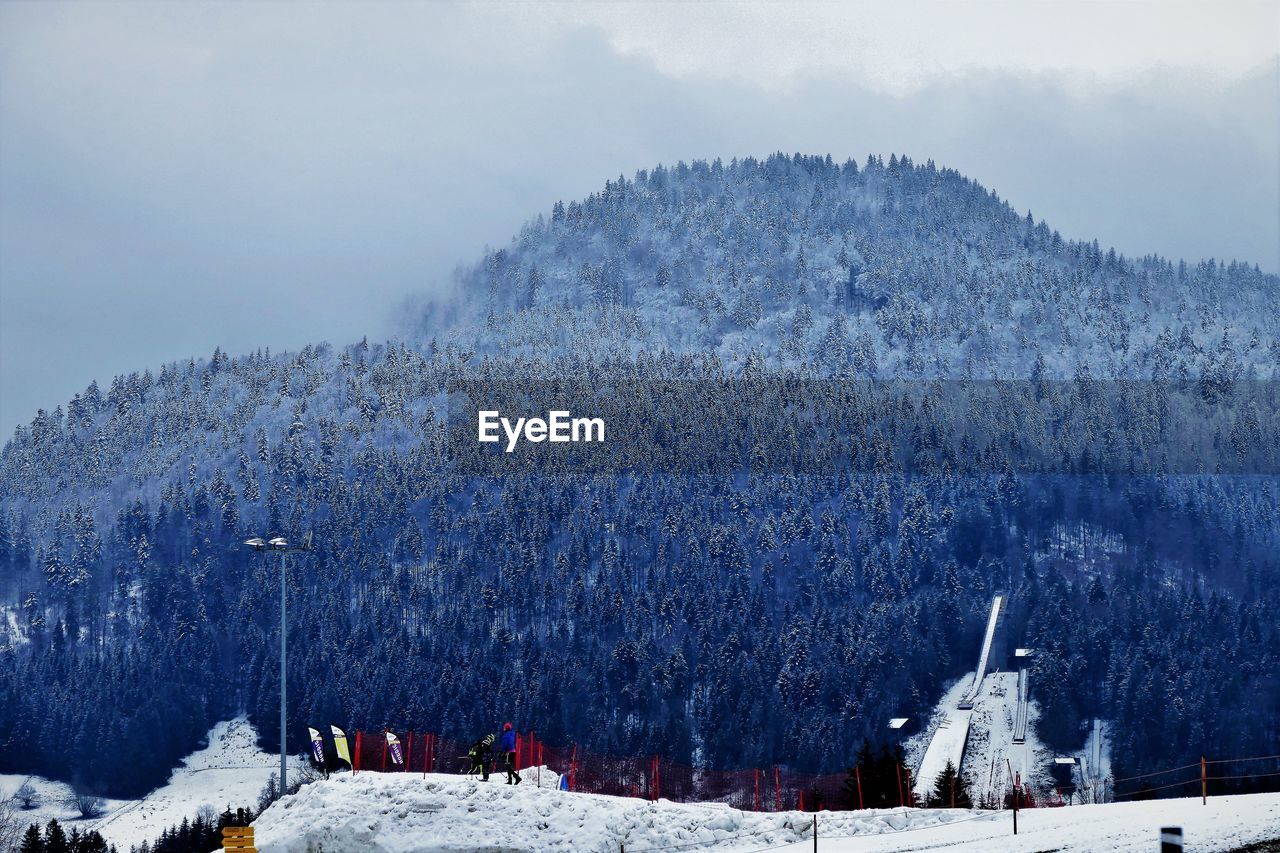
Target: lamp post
<point x="280" y="545"/>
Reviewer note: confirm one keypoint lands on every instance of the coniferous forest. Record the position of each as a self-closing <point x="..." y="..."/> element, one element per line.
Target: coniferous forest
<point x="807" y="547"/>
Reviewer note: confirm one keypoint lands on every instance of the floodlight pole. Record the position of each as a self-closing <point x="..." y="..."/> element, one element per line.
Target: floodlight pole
<point x="281" y="545"/>
<point x="284" y="659"/>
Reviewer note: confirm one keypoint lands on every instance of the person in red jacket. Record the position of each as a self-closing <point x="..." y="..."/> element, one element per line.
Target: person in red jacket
<point x="509" y="754"/>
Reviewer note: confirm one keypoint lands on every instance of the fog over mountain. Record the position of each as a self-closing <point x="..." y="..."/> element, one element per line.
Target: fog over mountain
<point x="174" y="179"/>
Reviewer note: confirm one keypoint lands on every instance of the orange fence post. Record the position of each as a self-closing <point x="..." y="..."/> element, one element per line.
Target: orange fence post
<point x="897" y="768"/>
<point x="857" y="774"/>
<point x="1204" y="784"/>
<point x="355" y="766"/>
<point x="757" y="789"/>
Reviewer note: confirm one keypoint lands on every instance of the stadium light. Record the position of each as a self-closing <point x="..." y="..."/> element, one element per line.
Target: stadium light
<point x="281" y="546"/>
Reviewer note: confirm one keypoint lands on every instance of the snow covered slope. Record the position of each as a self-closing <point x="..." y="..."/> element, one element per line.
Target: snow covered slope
<point x="1093" y="774"/>
<point x="992" y="748"/>
<point x="946" y="745"/>
<point x="404" y="813"/>
<point x="230" y="771"/>
<point x="985" y="735"/>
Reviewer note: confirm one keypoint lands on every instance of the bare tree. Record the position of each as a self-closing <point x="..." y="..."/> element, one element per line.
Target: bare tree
<point x="304" y="775"/>
<point x="88" y="805"/>
<point x="10" y="824"/>
<point x="27" y="796"/>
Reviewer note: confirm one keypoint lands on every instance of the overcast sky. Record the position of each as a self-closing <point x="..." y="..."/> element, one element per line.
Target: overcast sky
<point x="175" y="177"/>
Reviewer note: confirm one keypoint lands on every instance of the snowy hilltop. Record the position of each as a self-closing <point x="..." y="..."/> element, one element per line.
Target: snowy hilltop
<point x="897" y="269"/>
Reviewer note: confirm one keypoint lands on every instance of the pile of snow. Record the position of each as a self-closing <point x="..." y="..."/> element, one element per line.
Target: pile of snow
<point x="405" y="813"/>
<point x="230" y="771"/>
<point x="540" y="777"/>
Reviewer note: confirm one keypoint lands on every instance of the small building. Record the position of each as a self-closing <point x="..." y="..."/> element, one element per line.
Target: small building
<point x="900" y="727"/>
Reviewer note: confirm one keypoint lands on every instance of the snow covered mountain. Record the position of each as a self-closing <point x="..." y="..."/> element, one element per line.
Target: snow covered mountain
<point x="902" y="269"/>
<point x="753" y="612"/>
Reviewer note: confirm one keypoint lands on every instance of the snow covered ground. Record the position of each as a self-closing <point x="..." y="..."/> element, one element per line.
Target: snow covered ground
<point x="1226" y="823"/>
<point x="230" y="771"/>
<point x="404" y="813"/>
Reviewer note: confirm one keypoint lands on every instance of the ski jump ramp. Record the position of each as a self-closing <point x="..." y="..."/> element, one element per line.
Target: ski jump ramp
<point x="951" y="736"/>
<point x="966" y="704"/>
<point x="1020" y="718"/>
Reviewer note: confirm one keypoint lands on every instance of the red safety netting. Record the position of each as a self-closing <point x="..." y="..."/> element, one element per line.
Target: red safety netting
<point x="652" y="777"/>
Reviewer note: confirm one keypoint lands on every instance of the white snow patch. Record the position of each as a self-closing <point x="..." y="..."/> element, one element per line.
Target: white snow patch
<point x="13" y="632"/>
<point x="230" y="771"/>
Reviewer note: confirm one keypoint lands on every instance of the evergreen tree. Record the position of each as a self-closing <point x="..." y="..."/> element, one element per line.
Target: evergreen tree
<point x="949" y="790"/>
<point x="55" y="839"/>
<point x="32" y="841"/>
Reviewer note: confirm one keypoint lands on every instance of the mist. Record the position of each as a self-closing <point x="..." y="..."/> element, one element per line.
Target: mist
<point x="184" y="177"/>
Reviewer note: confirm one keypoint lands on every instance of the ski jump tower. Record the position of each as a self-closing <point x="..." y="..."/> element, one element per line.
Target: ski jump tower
<point x="993" y="622"/>
<point x="951" y="736"/>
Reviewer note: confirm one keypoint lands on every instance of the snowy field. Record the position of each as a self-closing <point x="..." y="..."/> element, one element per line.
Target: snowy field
<point x="230" y="771"/>
<point x="404" y="813"/>
<point x="1226" y="823"/>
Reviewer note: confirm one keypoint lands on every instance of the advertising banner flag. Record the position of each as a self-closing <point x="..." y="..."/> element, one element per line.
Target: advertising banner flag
<point x="317" y="745"/>
<point x="340" y="744"/>
<point x="393" y="744"/>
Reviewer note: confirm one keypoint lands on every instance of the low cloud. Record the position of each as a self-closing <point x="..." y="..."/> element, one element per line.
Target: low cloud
<point x="175" y="178"/>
